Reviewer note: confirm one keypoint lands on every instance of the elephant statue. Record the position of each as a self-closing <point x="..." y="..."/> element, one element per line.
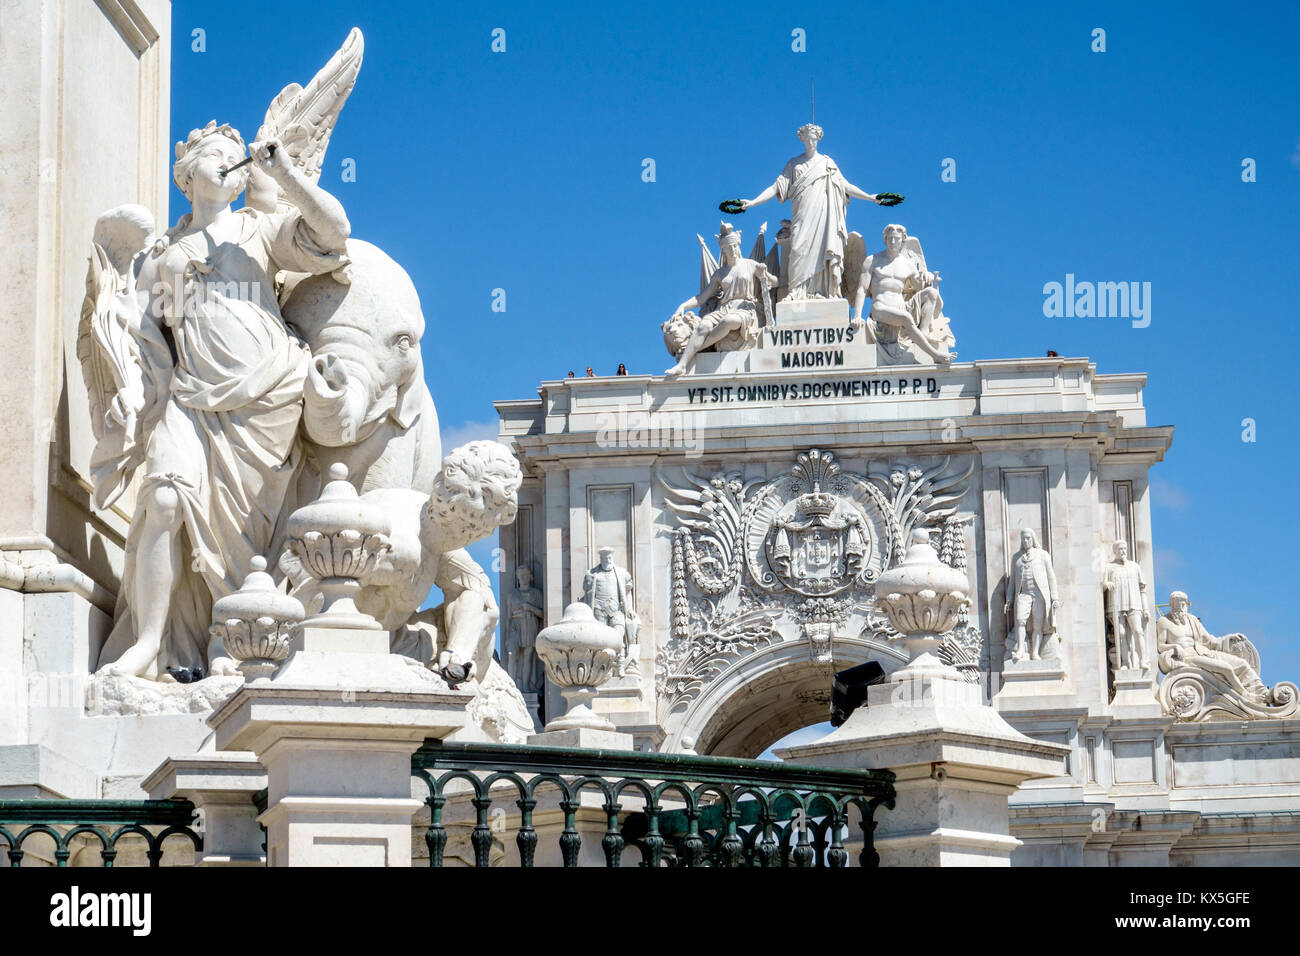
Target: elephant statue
<point x="365" y="401"/>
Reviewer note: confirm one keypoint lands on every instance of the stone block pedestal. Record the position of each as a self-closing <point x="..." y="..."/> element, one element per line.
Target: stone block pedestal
<point x="335" y="729"/>
<point x="1135" y="694"/>
<point x="956" y="762"/>
<point x="222" y="786"/>
<point x="1031" y="680"/>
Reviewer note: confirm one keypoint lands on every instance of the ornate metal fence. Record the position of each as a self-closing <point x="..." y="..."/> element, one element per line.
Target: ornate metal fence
<point x="111" y="822"/>
<point x="669" y="809"/>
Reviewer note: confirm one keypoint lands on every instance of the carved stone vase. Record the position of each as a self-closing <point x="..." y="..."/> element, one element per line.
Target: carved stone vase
<point x="338" y="538"/>
<point x="922" y="598"/>
<point x="580" y="654"/>
<point x="256" y="623"/>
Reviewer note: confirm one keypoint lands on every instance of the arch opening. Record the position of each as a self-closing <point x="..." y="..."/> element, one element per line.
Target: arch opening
<point x="769" y="695"/>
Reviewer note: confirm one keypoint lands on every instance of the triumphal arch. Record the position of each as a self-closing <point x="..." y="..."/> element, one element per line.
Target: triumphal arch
<point x="816" y="418"/>
<point x="228" y="504"/>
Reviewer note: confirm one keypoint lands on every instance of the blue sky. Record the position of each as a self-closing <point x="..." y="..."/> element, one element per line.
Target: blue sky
<point x="522" y="171"/>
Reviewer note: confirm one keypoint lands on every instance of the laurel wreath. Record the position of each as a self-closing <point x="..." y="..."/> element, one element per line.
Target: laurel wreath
<point x="733" y="207"/>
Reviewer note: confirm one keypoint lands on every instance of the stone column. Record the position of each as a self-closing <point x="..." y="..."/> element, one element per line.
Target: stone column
<point x="83" y="128"/>
<point x="222" y="786"/>
<point x="956" y="761"/>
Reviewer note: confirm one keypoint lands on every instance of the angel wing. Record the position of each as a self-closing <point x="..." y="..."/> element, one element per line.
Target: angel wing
<point x="913" y="245"/>
<point x="855" y="253"/>
<point x="711" y="512"/>
<point x="303" y="119"/>
<point x="109" y="350"/>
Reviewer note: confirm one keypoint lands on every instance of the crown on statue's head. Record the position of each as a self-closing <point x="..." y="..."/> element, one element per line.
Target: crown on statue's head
<point x="212" y="129"/>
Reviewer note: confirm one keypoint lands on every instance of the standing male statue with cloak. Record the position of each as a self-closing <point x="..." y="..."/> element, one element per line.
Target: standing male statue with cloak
<point x="818" y="196"/>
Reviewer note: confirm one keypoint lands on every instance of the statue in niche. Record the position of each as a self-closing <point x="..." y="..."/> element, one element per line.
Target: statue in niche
<point x="1032" y="602"/>
<point x="526" y="619"/>
<point x="904" y="299"/>
<point x="819" y="195"/>
<point x="734" y="301"/>
<point x="1208" y="677"/>
<point x="1126" y="604"/>
<point x="607" y="589"/>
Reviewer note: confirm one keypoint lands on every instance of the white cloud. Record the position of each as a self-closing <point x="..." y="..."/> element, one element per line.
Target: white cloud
<point x="1167" y="495"/>
<point x="1295" y="157"/>
<point x="457" y="435"/>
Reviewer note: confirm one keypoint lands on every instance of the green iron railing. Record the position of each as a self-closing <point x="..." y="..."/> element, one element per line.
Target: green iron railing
<point x="722" y="812"/>
<point x="110" y="821"/>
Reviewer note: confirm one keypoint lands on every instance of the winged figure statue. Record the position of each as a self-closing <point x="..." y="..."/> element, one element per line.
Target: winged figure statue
<point x="195" y="383"/>
<point x="904" y="297"/>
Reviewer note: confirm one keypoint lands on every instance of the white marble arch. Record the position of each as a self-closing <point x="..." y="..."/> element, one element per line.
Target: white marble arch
<point x="769" y="693"/>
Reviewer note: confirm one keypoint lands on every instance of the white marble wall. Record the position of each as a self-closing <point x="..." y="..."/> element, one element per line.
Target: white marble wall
<point x="84" y="126"/>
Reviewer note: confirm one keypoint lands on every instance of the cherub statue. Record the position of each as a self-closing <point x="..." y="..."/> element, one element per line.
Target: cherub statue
<point x="193" y="375"/>
<point x="475" y="492"/>
<point x="904" y="298"/>
<point x="734" y="299"/>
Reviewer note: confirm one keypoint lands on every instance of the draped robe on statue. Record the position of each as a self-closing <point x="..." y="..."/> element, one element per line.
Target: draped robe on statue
<point x="818" y="198"/>
<point x="225" y="436"/>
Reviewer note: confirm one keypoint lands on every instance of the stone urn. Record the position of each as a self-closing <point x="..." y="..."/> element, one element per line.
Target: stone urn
<point x="580" y="654"/>
<point x="338" y="538"/>
<point x="922" y="597"/>
<point x="256" y="623"/>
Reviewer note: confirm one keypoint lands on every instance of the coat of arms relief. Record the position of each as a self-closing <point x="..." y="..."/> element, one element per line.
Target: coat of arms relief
<point x="756" y="562"/>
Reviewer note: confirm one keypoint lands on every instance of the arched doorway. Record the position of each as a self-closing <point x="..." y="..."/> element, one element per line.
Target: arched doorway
<point x="767" y="695"/>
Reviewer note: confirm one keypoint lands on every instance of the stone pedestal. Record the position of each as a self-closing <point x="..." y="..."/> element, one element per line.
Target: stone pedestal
<point x="335" y="730"/>
<point x="583" y="738"/>
<point x="1032" y="680"/>
<point x="1135" y="693"/>
<point x="222" y="786"/>
<point x="955" y="759"/>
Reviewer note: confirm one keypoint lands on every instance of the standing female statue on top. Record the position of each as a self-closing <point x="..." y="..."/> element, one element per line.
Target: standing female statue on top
<point x="819" y="195"/>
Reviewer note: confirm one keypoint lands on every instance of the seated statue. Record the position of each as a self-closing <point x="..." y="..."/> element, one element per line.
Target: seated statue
<point x="904" y="299"/>
<point x="733" y="299"/>
<point x="1208" y="676"/>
